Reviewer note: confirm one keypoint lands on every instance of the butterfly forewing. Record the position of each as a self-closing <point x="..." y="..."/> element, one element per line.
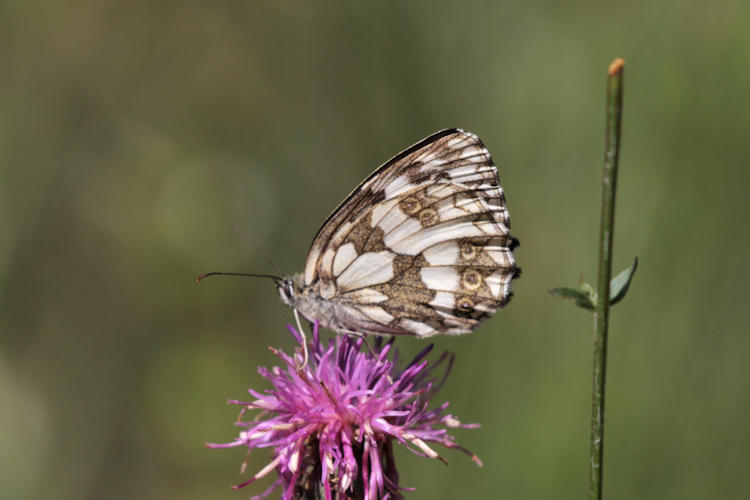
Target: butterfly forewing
<point x="421" y="247"/>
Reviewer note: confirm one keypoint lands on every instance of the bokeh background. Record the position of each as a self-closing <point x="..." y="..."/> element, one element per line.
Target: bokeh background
<point x="133" y="133"/>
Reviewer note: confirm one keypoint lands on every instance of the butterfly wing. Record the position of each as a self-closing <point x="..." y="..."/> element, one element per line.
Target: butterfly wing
<point x="422" y="246"/>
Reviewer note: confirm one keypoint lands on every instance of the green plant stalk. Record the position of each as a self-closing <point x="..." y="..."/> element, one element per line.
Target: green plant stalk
<point x="601" y="313"/>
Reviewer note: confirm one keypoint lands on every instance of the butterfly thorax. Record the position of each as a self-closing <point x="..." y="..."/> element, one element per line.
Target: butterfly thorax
<point x="307" y="300"/>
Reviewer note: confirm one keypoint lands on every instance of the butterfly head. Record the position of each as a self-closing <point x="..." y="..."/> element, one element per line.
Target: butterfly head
<point x="290" y="288"/>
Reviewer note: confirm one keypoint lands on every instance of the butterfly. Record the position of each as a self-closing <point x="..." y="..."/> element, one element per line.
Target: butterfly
<point x="421" y="247"/>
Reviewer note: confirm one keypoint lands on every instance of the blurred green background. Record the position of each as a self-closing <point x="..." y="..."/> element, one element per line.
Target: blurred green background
<point x="133" y="133"/>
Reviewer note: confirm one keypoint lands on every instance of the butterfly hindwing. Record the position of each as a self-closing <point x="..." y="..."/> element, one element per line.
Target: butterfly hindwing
<point x="421" y="247"/>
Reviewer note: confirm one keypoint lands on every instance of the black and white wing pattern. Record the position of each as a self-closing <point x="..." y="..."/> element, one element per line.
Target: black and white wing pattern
<point x="421" y="247"/>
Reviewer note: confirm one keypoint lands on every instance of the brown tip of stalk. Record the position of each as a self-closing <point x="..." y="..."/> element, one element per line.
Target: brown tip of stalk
<point x="616" y="66"/>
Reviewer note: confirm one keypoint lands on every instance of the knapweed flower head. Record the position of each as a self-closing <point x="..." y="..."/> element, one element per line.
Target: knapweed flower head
<point x="332" y="424"/>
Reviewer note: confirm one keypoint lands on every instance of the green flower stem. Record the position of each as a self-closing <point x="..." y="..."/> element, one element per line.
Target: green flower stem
<point x="601" y="313"/>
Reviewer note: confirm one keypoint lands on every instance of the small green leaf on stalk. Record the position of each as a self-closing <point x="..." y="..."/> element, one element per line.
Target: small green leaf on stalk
<point x="581" y="297"/>
<point x="618" y="287"/>
<point x="588" y="290"/>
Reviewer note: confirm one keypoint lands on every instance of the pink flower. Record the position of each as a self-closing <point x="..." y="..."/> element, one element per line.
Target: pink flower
<point x="331" y="425"/>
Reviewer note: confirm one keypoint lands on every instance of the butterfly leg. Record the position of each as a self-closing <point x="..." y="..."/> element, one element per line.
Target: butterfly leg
<point x="369" y="347"/>
<point x="361" y="336"/>
<point x="304" y="341"/>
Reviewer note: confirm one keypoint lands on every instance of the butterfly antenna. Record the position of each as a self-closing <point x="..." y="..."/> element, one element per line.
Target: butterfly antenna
<point x="304" y="341"/>
<point x="256" y="247"/>
<point x="206" y="275"/>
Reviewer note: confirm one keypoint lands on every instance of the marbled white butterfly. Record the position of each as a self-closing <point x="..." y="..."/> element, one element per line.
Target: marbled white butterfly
<point x="421" y="247"/>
